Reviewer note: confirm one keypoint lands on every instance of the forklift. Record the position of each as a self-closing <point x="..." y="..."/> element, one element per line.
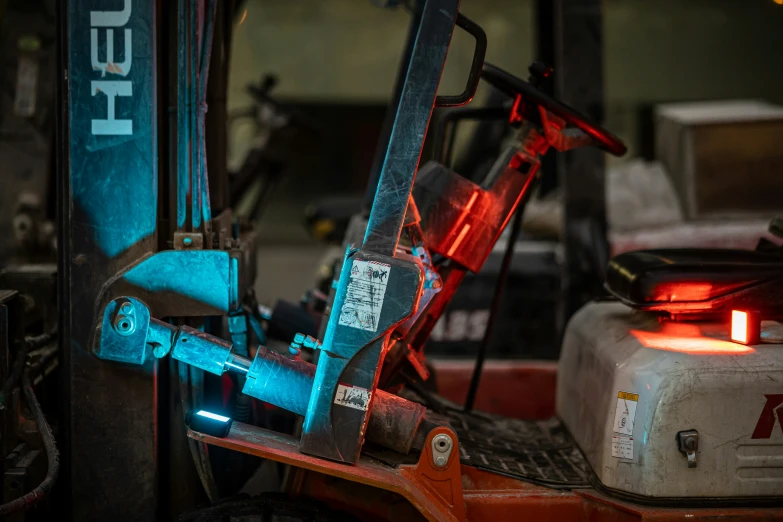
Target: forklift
<point x="666" y="410"/>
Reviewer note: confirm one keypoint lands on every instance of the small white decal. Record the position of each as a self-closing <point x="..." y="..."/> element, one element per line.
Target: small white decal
<point x="622" y="447"/>
<point x="364" y="299"/>
<point x="352" y="397"/>
<point x="625" y="412"/>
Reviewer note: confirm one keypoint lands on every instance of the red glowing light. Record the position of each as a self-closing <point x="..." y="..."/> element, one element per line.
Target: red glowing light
<point x="459" y="239"/>
<point x="687" y="338"/>
<point x="458" y="222"/>
<point x="739" y="326"/>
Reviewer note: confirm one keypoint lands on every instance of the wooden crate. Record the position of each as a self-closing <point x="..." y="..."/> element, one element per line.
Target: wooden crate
<point x="725" y="158"/>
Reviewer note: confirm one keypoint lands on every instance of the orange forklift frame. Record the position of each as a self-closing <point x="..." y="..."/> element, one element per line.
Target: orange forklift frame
<point x="372" y="490"/>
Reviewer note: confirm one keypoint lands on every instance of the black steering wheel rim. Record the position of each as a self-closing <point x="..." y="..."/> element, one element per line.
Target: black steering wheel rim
<point x="513" y="86"/>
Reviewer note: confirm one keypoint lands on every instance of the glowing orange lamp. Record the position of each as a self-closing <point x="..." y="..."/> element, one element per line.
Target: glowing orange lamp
<point x="745" y="327"/>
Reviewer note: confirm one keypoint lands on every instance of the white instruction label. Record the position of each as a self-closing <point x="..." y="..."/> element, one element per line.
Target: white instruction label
<point x="622" y="447"/>
<point x="352" y="397"/>
<point x="364" y="299"/>
<point x="625" y="412"/>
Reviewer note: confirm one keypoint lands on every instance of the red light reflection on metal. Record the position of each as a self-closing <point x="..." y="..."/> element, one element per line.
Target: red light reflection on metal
<point x="459" y="239"/>
<point x="682" y="291"/>
<point x="515" y="116"/>
<point x="687" y="338"/>
<point x="466" y="228"/>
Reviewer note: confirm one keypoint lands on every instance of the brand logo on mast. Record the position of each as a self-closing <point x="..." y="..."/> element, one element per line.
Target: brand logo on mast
<point x="102" y="25"/>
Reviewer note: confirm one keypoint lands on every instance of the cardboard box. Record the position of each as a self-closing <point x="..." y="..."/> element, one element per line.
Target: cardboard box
<point x="724" y="158"/>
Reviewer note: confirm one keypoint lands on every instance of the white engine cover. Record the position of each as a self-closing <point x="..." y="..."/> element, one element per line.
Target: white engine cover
<point x="627" y="384"/>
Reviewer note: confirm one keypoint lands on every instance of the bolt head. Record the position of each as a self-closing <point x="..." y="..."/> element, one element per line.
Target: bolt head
<point x="126" y="308"/>
<point x="442" y="442"/>
<point x="440" y="461"/>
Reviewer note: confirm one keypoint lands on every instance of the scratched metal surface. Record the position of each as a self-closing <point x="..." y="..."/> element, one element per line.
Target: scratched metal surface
<point x="109" y="204"/>
<point x="352" y="354"/>
<point x="413" y="111"/>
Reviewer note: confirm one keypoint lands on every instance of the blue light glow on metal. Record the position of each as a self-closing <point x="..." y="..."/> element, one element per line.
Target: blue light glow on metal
<point x="213" y="416"/>
<point x="202" y="275"/>
<point x="112" y="122"/>
<point x="183" y="126"/>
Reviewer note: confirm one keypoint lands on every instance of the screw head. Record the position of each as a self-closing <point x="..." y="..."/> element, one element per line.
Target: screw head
<point x="187" y="241"/>
<point x="126" y="308"/>
<point x="124" y="325"/>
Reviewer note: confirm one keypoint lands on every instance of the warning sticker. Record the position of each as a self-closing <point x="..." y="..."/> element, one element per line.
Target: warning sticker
<point x="625" y="412"/>
<point x="364" y="299"/>
<point x="622" y="447"/>
<point x="352" y="397"/>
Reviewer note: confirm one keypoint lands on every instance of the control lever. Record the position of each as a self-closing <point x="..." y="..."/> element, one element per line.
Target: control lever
<point x="688" y="443"/>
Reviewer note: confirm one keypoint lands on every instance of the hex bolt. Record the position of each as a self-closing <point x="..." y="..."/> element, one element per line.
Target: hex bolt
<point x="690" y="443"/>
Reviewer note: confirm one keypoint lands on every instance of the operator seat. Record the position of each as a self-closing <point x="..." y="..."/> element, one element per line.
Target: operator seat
<point x="698" y="281"/>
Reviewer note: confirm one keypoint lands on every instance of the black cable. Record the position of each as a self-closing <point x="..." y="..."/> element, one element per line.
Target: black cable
<point x="516" y="227"/>
<point x="30" y="343"/>
<point x="52" y="456"/>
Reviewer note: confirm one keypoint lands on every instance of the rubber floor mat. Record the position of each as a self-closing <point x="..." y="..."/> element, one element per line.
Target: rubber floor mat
<point x="541" y="452"/>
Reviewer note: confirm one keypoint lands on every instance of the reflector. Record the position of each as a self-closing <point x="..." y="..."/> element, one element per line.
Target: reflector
<point x="739" y="326"/>
<point x="745" y="327"/>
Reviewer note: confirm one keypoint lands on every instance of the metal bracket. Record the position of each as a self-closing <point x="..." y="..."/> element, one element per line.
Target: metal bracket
<point x="688" y="443"/>
<point x="441" y="450"/>
<point x="435" y="491"/>
<point x="188" y="241"/>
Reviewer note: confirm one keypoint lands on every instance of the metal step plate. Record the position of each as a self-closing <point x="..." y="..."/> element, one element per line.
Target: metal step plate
<point x="541" y="452"/>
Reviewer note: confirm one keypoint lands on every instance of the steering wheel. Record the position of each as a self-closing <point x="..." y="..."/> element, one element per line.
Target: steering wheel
<point x="513" y="86"/>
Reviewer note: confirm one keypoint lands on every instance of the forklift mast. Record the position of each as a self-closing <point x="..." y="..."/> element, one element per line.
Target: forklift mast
<point x="135" y="216"/>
